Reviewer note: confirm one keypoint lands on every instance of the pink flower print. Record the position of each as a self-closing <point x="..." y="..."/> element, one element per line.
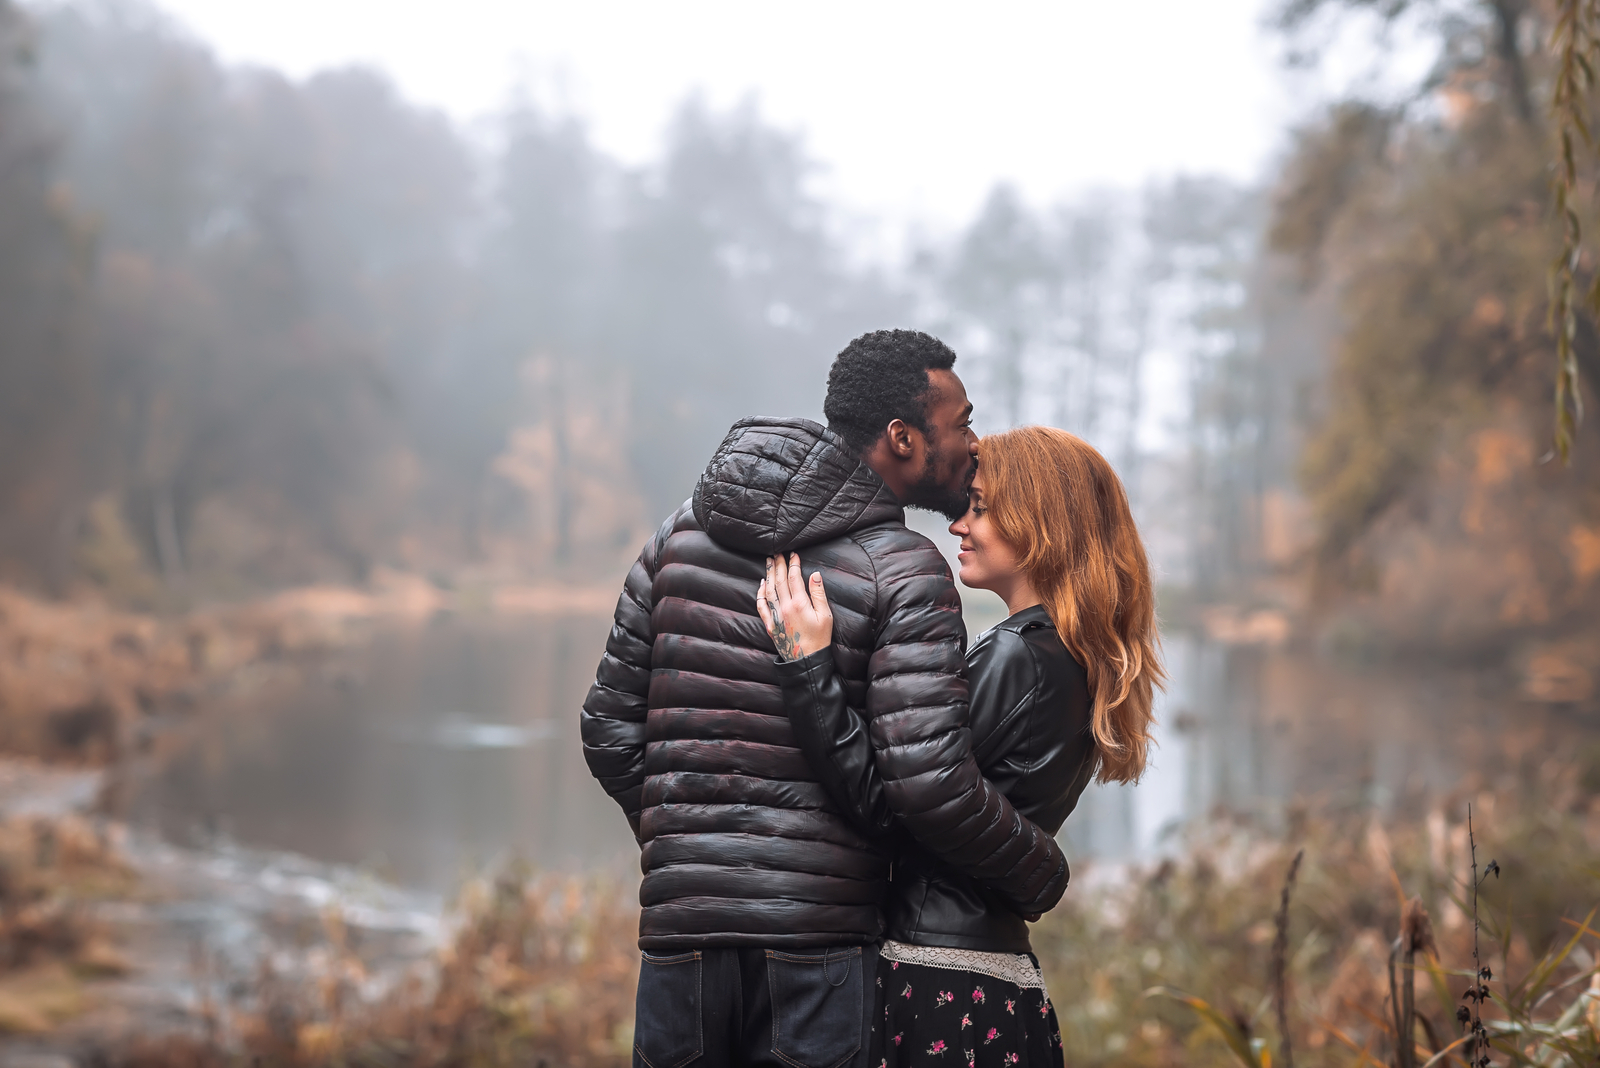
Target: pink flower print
<point x="944" y="998"/>
<point x="898" y="1037"/>
<point x="937" y="1049"/>
<point x="977" y="994"/>
<point x="1011" y="1006"/>
<point x="1044" y="1007"/>
<point x="906" y="993"/>
<point x="1010" y="1058"/>
<point x="972" y="1059"/>
<point x="894" y="965"/>
<point x="994" y="1033"/>
<point x="966" y="1020"/>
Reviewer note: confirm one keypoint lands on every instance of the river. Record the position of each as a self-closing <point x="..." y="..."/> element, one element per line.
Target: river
<point x="434" y="750"/>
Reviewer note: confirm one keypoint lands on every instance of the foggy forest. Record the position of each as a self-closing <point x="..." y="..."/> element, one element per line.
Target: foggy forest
<point x="330" y="424"/>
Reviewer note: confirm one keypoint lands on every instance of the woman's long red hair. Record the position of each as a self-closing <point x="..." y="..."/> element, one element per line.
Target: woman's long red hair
<point x="1058" y="504"/>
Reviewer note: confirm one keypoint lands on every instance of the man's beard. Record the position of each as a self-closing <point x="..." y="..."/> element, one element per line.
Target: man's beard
<point x="932" y="495"/>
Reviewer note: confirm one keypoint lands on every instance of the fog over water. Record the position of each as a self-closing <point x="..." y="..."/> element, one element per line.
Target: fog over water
<point x="323" y="295"/>
<point x="441" y="749"/>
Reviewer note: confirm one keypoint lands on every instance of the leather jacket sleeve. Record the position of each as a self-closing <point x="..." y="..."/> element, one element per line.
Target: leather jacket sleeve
<point x="910" y="757"/>
<point x="612" y="723"/>
<point x="835" y="741"/>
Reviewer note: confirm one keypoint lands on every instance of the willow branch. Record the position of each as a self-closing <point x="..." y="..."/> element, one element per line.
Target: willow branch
<point x="1576" y="46"/>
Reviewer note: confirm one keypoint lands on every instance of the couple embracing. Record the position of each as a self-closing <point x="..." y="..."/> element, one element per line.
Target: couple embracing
<point x="843" y="843"/>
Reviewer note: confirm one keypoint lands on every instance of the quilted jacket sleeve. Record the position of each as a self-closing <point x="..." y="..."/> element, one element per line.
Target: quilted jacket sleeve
<point x="917" y="726"/>
<point x="613" y="718"/>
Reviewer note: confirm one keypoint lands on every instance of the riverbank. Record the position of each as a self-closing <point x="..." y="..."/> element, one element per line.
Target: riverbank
<point x="117" y="948"/>
<point x="430" y="752"/>
<point x="111" y="937"/>
<point x="85" y="683"/>
<point x="1246" y="944"/>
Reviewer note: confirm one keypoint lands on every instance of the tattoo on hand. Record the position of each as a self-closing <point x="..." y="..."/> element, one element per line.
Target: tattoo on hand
<point x="788" y="648"/>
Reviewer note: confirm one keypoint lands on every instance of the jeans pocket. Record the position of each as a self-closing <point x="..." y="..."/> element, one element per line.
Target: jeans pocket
<point x="666" y="1023"/>
<point x="817" y="1006"/>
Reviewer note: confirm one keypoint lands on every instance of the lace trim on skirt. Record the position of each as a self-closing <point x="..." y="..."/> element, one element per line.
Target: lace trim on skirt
<point x="1015" y="968"/>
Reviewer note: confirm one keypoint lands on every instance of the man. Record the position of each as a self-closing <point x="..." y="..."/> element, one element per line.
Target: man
<point x="760" y="898"/>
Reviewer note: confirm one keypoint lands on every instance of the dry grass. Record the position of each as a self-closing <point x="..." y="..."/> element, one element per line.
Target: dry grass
<point x="1203" y="927"/>
<point x="77" y="677"/>
<point x="542" y="969"/>
<point x="51" y="872"/>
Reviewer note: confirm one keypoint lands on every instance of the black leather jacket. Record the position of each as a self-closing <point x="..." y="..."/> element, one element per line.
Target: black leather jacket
<point x="1030" y="734"/>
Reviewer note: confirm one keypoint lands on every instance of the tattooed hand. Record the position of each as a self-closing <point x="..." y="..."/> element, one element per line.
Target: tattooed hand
<point x="788" y="647"/>
<point x="796" y="613"/>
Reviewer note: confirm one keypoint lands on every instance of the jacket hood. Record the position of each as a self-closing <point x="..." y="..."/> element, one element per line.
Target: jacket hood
<point x="778" y="485"/>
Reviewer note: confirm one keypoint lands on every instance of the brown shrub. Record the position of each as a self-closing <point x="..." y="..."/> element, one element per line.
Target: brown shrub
<point x="541" y="969"/>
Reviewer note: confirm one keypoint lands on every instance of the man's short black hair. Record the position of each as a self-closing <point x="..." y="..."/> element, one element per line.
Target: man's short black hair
<point x="881" y="377"/>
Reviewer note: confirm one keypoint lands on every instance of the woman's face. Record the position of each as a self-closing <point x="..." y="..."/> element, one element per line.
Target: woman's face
<point x="987" y="562"/>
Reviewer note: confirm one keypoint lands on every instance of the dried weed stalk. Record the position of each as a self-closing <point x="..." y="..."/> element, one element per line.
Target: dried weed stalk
<point x="1478" y="990"/>
<point x="1416" y="936"/>
<point x="1280" y="962"/>
<point x="1363" y="998"/>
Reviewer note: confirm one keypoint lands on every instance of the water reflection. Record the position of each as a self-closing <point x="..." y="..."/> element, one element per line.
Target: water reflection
<point x="421" y="757"/>
<point x="1252" y="731"/>
<point x="435" y="750"/>
<point x="459" y="734"/>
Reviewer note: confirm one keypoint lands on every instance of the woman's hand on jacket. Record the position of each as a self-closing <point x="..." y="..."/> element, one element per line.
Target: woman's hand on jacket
<point x="795" y="612"/>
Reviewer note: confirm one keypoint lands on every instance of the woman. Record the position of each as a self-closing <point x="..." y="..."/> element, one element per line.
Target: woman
<point x="1060" y="692"/>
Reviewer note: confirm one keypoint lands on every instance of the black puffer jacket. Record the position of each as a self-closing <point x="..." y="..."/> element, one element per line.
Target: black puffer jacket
<point x="1031" y="737"/>
<point x="685" y="725"/>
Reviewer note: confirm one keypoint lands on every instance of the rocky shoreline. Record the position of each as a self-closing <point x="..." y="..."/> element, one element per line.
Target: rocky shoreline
<point x="111" y="936"/>
<point x="151" y="940"/>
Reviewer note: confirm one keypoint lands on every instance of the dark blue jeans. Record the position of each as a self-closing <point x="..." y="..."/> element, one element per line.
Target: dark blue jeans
<point x="773" y="1008"/>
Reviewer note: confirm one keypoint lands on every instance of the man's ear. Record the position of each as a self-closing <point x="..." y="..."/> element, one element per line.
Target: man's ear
<point x="899" y="438"/>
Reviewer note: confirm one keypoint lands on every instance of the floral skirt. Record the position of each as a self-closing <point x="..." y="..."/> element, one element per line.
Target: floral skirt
<point x="960" y="1008"/>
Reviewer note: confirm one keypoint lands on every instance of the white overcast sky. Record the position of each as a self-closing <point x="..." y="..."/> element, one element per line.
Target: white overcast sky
<point x="914" y="109"/>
